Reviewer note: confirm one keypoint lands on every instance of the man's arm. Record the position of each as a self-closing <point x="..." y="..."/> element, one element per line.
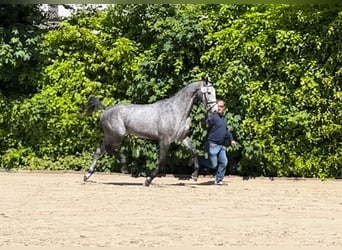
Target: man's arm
<point x="230" y="137"/>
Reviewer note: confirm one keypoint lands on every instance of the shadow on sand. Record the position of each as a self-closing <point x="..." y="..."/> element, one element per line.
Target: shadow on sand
<point x="190" y="183"/>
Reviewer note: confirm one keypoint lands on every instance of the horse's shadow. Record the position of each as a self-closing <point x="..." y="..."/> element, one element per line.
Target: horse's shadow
<point x="115" y="183"/>
<point x="206" y="183"/>
<point x="193" y="183"/>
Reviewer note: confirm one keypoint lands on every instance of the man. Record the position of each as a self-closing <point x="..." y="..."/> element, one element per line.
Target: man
<point x="218" y="133"/>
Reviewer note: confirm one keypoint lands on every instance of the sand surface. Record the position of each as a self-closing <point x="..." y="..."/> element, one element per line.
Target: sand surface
<point x="114" y="210"/>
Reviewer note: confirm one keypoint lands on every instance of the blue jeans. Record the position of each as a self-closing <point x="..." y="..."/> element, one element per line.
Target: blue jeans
<point x="217" y="159"/>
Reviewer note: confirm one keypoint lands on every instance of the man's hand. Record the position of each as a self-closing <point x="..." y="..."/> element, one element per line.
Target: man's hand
<point x="233" y="143"/>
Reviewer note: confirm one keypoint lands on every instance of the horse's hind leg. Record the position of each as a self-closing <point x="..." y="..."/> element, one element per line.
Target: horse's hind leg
<point x="123" y="162"/>
<point x="97" y="155"/>
<point x="122" y="159"/>
<point x="187" y="143"/>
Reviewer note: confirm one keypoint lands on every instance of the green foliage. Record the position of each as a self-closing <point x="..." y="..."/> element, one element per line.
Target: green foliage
<point x="277" y="66"/>
<point x="24" y="158"/>
<point x="20" y="46"/>
<point x="288" y="98"/>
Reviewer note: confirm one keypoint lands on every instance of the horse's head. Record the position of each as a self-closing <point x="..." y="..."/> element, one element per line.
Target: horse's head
<point x="208" y="95"/>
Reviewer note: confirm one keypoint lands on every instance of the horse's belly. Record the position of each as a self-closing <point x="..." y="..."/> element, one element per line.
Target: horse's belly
<point x="143" y="130"/>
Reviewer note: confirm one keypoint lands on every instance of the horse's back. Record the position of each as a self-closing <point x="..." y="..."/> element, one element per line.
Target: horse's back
<point x="151" y="121"/>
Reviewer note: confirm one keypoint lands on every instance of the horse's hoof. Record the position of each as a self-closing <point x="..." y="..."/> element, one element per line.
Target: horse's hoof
<point x="86" y="177"/>
<point x="147" y="182"/>
<point x="124" y="170"/>
<point x="194" y="177"/>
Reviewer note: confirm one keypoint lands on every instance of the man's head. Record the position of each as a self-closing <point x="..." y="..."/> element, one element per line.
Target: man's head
<point x="220" y="106"/>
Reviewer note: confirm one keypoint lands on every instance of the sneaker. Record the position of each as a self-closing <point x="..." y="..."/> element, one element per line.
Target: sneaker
<point x="218" y="182"/>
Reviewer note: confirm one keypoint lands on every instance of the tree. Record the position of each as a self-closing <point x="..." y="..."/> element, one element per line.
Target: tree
<point x="20" y="46"/>
<point x="279" y="69"/>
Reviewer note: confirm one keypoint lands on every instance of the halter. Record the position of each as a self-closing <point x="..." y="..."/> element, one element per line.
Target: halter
<point x="206" y="87"/>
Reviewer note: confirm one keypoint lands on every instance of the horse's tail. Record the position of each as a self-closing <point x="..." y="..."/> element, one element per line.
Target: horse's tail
<point x="93" y="105"/>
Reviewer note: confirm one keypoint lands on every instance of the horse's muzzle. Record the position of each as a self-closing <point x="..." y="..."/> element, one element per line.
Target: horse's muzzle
<point x="212" y="108"/>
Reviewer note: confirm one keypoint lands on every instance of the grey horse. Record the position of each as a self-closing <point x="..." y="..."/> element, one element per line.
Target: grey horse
<point x="165" y="121"/>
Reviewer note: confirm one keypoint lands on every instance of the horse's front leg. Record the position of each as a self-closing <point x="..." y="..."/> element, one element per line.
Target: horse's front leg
<point x="187" y="143"/>
<point x="97" y="155"/>
<point x="164" y="148"/>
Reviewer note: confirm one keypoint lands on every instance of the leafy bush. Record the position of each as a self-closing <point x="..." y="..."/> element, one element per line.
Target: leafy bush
<point x="277" y="66"/>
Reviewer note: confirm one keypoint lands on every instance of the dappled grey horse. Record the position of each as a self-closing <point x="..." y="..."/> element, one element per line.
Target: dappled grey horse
<point x="165" y="121"/>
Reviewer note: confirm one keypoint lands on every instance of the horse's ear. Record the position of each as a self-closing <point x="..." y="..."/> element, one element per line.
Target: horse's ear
<point x="207" y="80"/>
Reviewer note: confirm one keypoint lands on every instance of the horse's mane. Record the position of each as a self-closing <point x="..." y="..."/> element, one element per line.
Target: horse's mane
<point x="192" y="84"/>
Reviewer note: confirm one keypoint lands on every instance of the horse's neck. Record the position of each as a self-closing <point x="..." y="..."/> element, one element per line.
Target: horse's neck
<point x="184" y="100"/>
